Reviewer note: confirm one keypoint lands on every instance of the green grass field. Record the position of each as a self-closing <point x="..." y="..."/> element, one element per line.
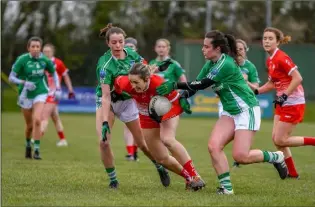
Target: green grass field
<point x="74" y="176"/>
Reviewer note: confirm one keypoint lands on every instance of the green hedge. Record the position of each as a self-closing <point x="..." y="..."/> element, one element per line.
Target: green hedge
<point x="9" y="98"/>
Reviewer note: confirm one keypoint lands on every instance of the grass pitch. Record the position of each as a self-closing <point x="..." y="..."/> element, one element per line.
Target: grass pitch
<point x="74" y="176"/>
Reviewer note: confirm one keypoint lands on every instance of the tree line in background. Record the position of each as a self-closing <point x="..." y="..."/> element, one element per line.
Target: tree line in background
<point x="73" y="27"/>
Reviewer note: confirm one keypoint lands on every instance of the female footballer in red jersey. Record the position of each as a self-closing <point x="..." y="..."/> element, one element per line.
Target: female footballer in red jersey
<point x="51" y="109"/>
<point x="290" y="102"/>
<point x="141" y="86"/>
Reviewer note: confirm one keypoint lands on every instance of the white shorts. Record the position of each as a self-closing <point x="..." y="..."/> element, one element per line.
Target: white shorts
<point x="26" y="103"/>
<point x="126" y="110"/>
<point x="249" y="120"/>
<point x="220" y="108"/>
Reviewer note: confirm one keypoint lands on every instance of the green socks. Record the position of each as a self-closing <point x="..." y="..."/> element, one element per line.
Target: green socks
<point x="157" y="165"/>
<point x="28" y="142"/>
<point x="225" y="181"/>
<point x="270" y="157"/>
<point x="36" y="145"/>
<point x="111" y="174"/>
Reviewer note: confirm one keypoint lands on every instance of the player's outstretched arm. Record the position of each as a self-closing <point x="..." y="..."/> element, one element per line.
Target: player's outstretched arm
<point x="167" y="87"/>
<point x="265" y="88"/>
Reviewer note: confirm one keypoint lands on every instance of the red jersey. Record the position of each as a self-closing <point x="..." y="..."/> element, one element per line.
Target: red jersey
<point x="280" y="66"/>
<point x="60" y="69"/>
<point x="122" y="83"/>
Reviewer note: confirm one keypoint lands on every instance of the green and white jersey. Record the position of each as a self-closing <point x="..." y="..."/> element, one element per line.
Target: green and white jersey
<point x="33" y="69"/>
<point x="234" y="93"/>
<point x="250" y="70"/>
<point x="109" y="67"/>
<point x="172" y="73"/>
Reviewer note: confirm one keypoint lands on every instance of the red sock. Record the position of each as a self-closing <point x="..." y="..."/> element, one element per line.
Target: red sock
<point x="130" y="149"/>
<point x="291" y="167"/>
<point x="135" y="148"/>
<point x="309" y="141"/>
<point x="185" y="174"/>
<point x="61" y="135"/>
<point x="189" y="166"/>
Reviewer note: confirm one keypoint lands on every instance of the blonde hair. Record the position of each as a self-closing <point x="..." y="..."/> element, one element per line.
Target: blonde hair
<point x="243" y="43"/>
<point x="144" y="71"/>
<point x="51" y="46"/>
<point x="279" y="35"/>
<point x="167" y="42"/>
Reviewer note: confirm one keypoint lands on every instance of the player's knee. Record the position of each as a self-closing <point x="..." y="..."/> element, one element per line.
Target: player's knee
<point x="103" y="146"/>
<point x="37" y="121"/>
<point x="214" y="148"/>
<point x="169" y="142"/>
<point x="241" y="157"/>
<point x="281" y="142"/>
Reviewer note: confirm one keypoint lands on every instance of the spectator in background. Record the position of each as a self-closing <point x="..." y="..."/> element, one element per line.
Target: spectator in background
<point x="51" y="106"/>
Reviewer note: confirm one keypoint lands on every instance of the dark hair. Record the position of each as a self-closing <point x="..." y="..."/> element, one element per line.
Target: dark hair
<point x="34" y="39"/>
<point x="50" y="45"/>
<point x="226" y="42"/>
<point x="140" y="69"/>
<point x="110" y="29"/>
<point x="279" y="35"/>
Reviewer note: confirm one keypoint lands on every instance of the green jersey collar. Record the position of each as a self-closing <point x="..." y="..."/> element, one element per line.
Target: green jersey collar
<point x="40" y="55"/>
<point x="124" y="49"/>
<point x="221" y="57"/>
<point x="165" y="58"/>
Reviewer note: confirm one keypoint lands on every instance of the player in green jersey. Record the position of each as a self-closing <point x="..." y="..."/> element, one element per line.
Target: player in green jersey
<point x="174" y="72"/>
<point x="32" y="66"/>
<point x="115" y="62"/>
<point x="241" y="116"/>
<point x="248" y="69"/>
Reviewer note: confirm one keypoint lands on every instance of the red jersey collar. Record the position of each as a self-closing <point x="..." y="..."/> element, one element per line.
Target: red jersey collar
<point x="274" y="53"/>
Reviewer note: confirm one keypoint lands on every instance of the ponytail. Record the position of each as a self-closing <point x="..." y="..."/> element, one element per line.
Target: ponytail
<point x="231" y="45"/>
<point x="110" y="29"/>
<point x="285" y="40"/>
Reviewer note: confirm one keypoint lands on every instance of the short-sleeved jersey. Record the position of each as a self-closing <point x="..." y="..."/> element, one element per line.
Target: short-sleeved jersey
<point x="233" y="91"/>
<point x="250" y="70"/>
<point x="280" y="66"/>
<point x="172" y="73"/>
<point x="122" y="83"/>
<point x="33" y="69"/>
<point x="109" y="67"/>
<point x="61" y="70"/>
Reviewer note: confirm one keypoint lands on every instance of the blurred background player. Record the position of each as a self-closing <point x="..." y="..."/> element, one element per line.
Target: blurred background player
<point x="32" y="66"/>
<point x="248" y="69"/>
<point x="51" y="106"/>
<point x="241" y="116"/>
<point x="160" y="132"/>
<point x="290" y="102"/>
<point x="115" y="62"/>
<point x="131" y="146"/>
<point x="174" y="72"/>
